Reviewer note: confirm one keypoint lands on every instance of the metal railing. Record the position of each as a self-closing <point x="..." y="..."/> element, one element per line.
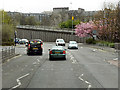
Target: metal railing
<point x="8" y="53"/>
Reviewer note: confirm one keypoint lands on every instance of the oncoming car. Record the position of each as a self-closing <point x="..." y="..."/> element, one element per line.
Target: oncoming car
<point x="35" y="47"/>
<point x="57" y="52"/>
<point x="73" y="45"/>
<point x="60" y="42"/>
<point x="23" y="41"/>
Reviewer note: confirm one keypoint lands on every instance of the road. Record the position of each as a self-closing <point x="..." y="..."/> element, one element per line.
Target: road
<point x="84" y="68"/>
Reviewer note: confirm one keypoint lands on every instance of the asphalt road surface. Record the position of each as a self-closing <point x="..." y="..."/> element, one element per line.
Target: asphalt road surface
<point x="84" y="68"/>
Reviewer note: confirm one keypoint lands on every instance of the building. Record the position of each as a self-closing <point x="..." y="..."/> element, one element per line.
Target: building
<point x="58" y="15"/>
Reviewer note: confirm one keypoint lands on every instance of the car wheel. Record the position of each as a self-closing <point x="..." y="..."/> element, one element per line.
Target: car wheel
<point x="64" y="58"/>
<point x="28" y="54"/>
<point x="50" y="58"/>
<point x="40" y="53"/>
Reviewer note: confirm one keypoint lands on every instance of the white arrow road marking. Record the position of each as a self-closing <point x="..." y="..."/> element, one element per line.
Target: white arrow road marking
<point x="18" y="81"/>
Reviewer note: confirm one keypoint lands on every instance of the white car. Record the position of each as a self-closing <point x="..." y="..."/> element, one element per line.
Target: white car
<point x="72" y="44"/>
<point x="60" y="42"/>
<point x="23" y="41"/>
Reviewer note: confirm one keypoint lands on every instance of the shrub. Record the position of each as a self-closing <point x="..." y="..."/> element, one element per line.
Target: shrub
<point x="7" y="43"/>
<point x="112" y="45"/>
<point x="91" y="41"/>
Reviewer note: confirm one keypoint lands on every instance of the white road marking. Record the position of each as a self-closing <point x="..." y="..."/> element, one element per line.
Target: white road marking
<point x="81" y="47"/>
<point x="89" y="84"/>
<point x="18" y="81"/>
<point x="38" y="60"/>
<point x="74" y="61"/>
<point x="115" y="59"/>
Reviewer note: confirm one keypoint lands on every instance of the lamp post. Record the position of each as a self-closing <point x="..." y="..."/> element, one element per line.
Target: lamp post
<point x="72" y="18"/>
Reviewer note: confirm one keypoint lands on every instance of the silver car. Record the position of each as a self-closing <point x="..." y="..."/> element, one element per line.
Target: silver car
<point x="73" y="45"/>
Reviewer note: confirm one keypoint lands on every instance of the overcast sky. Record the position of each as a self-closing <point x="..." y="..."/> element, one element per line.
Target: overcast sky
<point x="37" y="6"/>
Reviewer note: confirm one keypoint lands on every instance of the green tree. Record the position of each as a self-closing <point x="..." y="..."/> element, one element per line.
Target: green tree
<point x="7" y="27"/>
<point x="68" y="24"/>
<point x="30" y="20"/>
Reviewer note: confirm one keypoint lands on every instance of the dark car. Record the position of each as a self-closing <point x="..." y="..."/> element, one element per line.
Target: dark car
<point x="57" y="52"/>
<point x="35" y="47"/>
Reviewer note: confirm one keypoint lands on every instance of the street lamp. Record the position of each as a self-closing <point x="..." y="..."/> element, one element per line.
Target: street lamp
<point x="72" y="18"/>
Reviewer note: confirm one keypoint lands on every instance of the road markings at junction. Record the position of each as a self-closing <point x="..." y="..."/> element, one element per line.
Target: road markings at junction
<point x="74" y="61"/>
<point x="38" y="60"/>
<point x="18" y="81"/>
<point x="89" y="84"/>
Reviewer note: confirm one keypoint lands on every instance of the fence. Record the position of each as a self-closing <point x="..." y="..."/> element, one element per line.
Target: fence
<point x="8" y="53"/>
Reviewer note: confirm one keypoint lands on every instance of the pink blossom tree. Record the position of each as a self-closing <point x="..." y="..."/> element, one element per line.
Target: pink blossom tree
<point x="85" y="29"/>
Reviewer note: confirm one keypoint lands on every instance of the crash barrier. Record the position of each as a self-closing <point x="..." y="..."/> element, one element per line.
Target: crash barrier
<point x="8" y="53"/>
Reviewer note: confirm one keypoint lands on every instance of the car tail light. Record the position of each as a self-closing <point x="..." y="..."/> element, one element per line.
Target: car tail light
<point x="28" y="46"/>
<point x="41" y="45"/>
<point x="50" y="52"/>
<point x="63" y="52"/>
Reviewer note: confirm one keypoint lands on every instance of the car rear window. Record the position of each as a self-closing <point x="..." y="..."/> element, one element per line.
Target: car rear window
<point x="35" y="43"/>
<point x="57" y="48"/>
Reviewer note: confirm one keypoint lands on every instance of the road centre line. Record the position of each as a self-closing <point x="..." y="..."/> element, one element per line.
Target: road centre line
<point x="18" y="81"/>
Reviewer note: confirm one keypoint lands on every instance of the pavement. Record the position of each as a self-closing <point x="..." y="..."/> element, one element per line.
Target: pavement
<point x="114" y="61"/>
<point x="86" y="67"/>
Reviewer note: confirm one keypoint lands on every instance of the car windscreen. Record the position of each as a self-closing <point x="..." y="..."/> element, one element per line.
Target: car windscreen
<point x="73" y="43"/>
<point x="60" y="40"/>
